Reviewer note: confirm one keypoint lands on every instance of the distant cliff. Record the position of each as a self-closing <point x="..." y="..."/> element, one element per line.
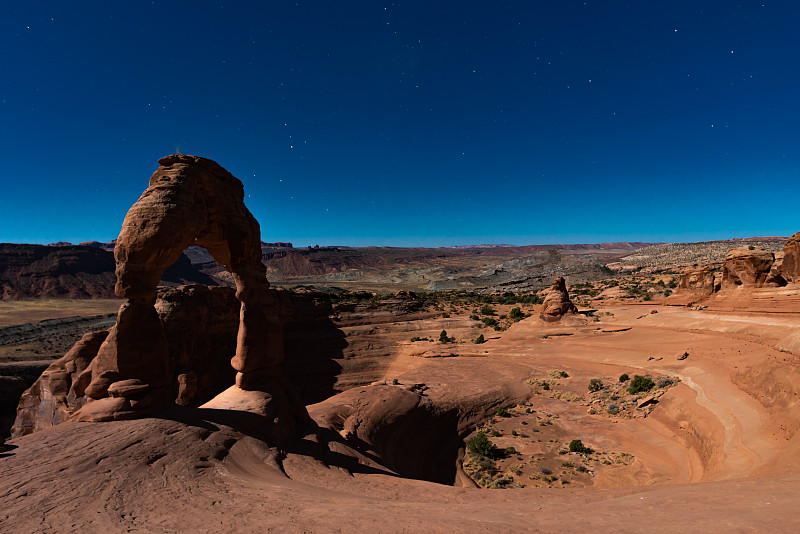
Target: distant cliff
<point x="72" y="271"/>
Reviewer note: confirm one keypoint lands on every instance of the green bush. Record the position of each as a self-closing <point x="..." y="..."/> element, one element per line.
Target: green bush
<point x="487" y="310"/>
<point x="443" y="337"/>
<point x="563" y="374"/>
<point x="577" y="445"/>
<point x="501" y="411"/>
<point x="515" y="314"/>
<point x="595" y="384"/>
<point x="639" y="384"/>
<point x="480" y="339"/>
<point x="481" y="445"/>
<point x="489" y="321"/>
<point x="624" y="377"/>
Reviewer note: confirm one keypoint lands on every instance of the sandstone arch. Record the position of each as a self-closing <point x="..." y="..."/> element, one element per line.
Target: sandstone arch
<point x="190" y="200"/>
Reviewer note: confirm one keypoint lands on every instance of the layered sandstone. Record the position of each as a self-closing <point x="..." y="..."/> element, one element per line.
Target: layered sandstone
<point x="746" y="267"/>
<point x="697" y="283"/>
<point x="557" y="303"/>
<point x="790" y="268"/>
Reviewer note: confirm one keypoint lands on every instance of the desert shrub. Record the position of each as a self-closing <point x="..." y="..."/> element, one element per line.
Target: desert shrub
<point x="446" y="315"/>
<point x="581" y="469"/>
<point x="510" y="450"/>
<point x="489" y="321"/>
<point x="416" y="338"/>
<point x="545" y="385"/>
<point x="751" y="247"/>
<point x="639" y="384"/>
<point x="595" y="384"/>
<point x="563" y="374"/>
<point x="665" y="382"/>
<point x="545" y="471"/>
<point x="577" y="445"/>
<point x="613" y="409"/>
<point x="474" y="317"/>
<point x="487" y="310"/>
<point x="515" y="314"/>
<point x="567" y="465"/>
<point x="480" y="444"/>
<point x="443" y="337"/>
<point x="480" y="339"/>
<point x="624" y="377"/>
<point x="395" y="381"/>
<point x="514" y="433"/>
<point x="501" y="411"/>
<point x="668" y="292"/>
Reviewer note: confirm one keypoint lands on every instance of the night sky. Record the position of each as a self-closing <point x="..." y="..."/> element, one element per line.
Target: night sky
<point x="410" y="123"/>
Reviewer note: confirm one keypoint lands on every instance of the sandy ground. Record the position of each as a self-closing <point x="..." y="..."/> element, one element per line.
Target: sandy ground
<point x="718" y="452"/>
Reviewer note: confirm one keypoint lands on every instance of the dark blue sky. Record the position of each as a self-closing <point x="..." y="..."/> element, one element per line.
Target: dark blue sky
<point x="410" y="123"/>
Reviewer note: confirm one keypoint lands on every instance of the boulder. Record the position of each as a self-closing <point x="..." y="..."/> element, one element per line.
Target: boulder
<point x="746" y="267"/>
<point x="557" y="303"/>
<point x="790" y="268"/>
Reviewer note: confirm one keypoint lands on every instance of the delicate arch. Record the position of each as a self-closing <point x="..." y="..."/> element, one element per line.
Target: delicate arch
<point x="190" y="201"/>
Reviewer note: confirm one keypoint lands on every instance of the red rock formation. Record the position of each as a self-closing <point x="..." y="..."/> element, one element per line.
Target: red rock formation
<point x="790" y="268"/>
<point x="190" y="200"/>
<point x="697" y="283"/>
<point x="746" y="267"/>
<point x="58" y="392"/>
<point x="557" y="303"/>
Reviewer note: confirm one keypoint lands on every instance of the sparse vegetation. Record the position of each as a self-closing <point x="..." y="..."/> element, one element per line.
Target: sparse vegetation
<point x="624" y="377"/>
<point x="479" y="340"/>
<point x="481" y="444"/>
<point x="577" y="445"/>
<point x="443" y="337"/>
<point x="640" y="384"/>
<point x="595" y="384"/>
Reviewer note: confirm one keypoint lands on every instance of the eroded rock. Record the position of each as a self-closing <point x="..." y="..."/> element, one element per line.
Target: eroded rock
<point x="697" y="283"/>
<point x="746" y="267"/>
<point x="190" y="201"/>
<point x="557" y="303"/>
<point x="790" y="268"/>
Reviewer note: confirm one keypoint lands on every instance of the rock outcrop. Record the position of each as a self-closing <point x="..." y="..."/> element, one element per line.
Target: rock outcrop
<point x="790" y="268"/>
<point x="200" y="325"/>
<point x="697" y="283"/>
<point x="557" y="303"/>
<point x="746" y="267"/>
<point x="190" y="201"/>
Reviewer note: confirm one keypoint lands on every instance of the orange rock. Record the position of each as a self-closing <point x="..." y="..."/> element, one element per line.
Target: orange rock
<point x="557" y="303"/>
<point x="790" y="269"/>
<point x="746" y="267"/>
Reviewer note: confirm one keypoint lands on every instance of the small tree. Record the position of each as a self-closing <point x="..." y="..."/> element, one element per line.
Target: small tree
<point x="515" y="314"/>
<point x="639" y="384"/>
<point x="480" y="444"/>
<point x="577" y="445"/>
<point x="624" y="377"/>
<point x="443" y="337"/>
<point x="480" y="339"/>
<point x="595" y="384"/>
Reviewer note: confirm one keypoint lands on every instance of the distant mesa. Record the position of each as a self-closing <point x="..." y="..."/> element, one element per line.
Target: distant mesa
<point x="557" y="303"/>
